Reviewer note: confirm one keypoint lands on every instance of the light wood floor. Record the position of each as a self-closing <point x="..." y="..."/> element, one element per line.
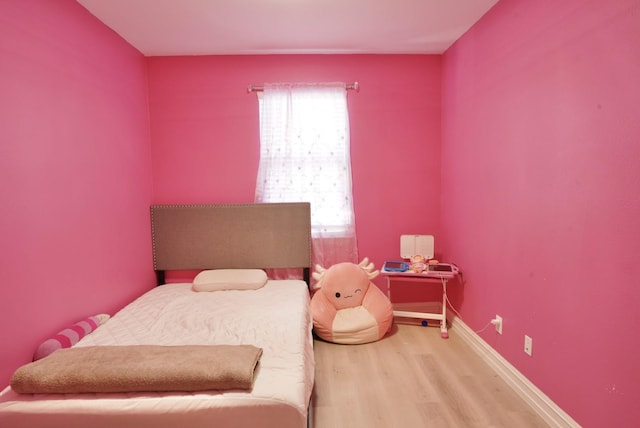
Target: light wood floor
<point x="412" y="379"/>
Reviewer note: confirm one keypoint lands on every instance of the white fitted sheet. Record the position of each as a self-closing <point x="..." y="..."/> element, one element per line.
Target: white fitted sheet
<point x="275" y="318"/>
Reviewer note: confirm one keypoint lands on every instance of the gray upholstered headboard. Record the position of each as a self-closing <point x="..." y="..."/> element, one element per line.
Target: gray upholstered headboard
<point x="231" y="236"/>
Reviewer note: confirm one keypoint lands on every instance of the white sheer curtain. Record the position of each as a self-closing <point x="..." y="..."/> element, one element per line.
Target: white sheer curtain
<point x="305" y="156"/>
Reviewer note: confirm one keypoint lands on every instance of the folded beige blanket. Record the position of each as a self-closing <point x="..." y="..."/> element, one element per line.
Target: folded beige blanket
<point x="140" y="368"/>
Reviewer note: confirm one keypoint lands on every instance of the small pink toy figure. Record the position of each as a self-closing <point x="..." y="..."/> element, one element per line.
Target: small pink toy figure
<point x="348" y="308"/>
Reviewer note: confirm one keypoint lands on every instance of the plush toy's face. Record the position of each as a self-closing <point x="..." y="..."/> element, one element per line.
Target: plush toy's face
<point x="345" y="285"/>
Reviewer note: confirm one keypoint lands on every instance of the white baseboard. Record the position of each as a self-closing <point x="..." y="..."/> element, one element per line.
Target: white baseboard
<point x="547" y="409"/>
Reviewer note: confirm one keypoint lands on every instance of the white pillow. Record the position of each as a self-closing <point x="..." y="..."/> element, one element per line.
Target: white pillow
<point x="229" y="279"/>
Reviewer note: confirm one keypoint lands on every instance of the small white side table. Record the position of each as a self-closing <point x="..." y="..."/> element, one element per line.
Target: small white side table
<point x="431" y="278"/>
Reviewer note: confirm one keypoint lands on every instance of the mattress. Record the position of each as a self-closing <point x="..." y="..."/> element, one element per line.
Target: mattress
<point x="275" y="318"/>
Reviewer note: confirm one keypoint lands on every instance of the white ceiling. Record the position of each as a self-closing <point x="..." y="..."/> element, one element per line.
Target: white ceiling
<point x="216" y="27"/>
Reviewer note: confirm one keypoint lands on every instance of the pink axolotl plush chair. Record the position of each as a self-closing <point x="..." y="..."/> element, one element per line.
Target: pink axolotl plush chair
<point x="348" y="308"/>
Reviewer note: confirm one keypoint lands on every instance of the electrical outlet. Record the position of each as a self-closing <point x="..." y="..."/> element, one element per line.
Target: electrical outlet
<point x="498" y="323"/>
<point x="528" y="345"/>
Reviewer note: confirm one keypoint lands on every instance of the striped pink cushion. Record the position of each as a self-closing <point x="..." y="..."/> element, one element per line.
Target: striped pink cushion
<point x="67" y="337"/>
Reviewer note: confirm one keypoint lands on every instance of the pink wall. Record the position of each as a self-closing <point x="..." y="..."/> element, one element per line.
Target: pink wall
<point x="75" y="172"/>
<point x="540" y="170"/>
<point x="541" y="204"/>
<point x="204" y="128"/>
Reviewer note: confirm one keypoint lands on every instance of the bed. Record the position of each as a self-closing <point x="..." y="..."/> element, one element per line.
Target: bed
<point x="273" y="318"/>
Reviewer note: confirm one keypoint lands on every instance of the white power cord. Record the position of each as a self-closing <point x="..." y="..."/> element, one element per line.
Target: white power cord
<point x="493" y="321"/>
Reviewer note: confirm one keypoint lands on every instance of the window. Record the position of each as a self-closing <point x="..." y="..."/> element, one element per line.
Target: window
<point x="305" y="156"/>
